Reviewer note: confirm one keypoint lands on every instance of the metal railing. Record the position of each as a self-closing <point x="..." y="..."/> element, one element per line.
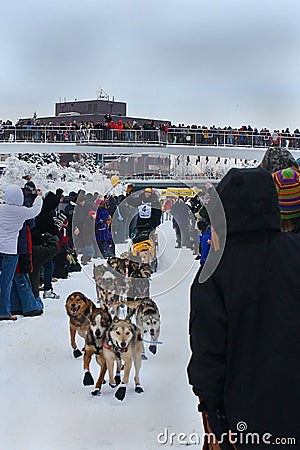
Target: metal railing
<point x="127" y="137"/>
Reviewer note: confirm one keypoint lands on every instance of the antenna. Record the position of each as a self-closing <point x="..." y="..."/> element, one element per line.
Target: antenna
<point x="101" y="94"/>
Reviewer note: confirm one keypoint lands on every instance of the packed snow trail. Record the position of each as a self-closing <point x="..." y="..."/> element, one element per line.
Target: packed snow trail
<point x="44" y="405"/>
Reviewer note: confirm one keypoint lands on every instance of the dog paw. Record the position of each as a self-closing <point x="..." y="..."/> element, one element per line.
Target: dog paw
<point x="144" y="357"/>
<point x="117" y="379"/>
<point x="88" y="380"/>
<point x="96" y="392"/>
<point x="77" y="353"/>
<point x="104" y="382"/>
<point x="121" y="392"/>
<point x="153" y="349"/>
<point x="113" y="385"/>
<point x="139" y="389"/>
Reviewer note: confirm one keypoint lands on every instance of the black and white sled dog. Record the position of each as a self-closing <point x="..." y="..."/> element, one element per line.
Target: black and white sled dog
<point x="148" y="321"/>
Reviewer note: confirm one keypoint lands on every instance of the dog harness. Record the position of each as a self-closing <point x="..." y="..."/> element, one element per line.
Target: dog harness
<point x="117" y="350"/>
<point x="98" y="349"/>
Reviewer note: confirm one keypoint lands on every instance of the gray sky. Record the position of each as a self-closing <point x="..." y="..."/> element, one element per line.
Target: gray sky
<point x="204" y="62"/>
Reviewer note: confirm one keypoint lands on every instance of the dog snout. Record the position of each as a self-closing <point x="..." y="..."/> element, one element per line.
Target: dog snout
<point x="98" y="333"/>
<point x="152" y="331"/>
<point x="123" y="344"/>
<point x="73" y="305"/>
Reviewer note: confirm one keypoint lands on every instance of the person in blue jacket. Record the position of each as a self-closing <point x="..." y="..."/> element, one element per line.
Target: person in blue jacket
<point x="204" y="239"/>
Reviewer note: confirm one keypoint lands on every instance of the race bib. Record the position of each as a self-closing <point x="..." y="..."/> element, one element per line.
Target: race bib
<point x="145" y="210"/>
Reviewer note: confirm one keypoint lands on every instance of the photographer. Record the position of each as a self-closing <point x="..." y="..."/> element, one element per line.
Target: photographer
<point x="47" y="222"/>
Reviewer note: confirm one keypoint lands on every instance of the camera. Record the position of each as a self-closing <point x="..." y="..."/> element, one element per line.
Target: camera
<point x="30" y="193"/>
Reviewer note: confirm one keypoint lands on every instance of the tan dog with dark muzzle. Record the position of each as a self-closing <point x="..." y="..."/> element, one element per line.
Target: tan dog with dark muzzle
<point x="123" y="343"/>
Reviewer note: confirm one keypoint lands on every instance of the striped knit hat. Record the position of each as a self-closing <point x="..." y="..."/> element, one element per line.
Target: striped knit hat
<point x="287" y="182"/>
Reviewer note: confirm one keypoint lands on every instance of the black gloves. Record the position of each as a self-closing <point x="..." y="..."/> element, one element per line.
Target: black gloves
<point x="218" y="424"/>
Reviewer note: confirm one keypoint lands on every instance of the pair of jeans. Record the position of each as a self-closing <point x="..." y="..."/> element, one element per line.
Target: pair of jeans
<point x="22" y="297"/>
<point x="88" y="252"/>
<point x="48" y="268"/>
<point x="8" y="264"/>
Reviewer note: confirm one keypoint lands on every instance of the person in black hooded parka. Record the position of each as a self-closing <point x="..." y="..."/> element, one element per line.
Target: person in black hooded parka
<point x="46" y="222"/>
<point x="245" y="319"/>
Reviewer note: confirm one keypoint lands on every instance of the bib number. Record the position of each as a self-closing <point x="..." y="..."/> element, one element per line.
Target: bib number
<point x="145" y="210"/>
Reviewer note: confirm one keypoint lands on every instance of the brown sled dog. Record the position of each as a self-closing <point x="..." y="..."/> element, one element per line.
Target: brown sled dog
<point x="99" y="322"/>
<point x="78" y="308"/>
<point x="123" y="343"/>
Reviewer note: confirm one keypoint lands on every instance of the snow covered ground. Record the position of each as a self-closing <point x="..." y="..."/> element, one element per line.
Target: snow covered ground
<point x="44" y="405"/>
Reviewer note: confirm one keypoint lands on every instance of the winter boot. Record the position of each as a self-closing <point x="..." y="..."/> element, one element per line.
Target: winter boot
<point x="50" y="294"/>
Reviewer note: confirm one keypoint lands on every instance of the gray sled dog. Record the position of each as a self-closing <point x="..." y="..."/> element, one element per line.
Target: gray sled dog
<point x="108" y="287"/>
<point x="148" y="321"/>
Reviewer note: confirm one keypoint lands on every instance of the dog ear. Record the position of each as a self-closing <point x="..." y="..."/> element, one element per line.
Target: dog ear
<point x="127" y="320"/>
<point x="116" y="319"/>
<point x="104" y="308"/>
<point x="134" y="330"/>
<point x="89" y="315"/>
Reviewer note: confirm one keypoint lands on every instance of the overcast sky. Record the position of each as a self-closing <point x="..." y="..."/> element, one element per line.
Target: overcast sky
<point x="204" y="62"/>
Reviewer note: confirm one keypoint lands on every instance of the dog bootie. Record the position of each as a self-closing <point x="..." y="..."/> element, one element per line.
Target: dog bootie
<point x="88" y="380"/>
<point x="139" y="389"/>
<point x="153" y="349"/>
<point x="121" y="392"/>
<point x="77" y="353"/>
<point x="144" y="357"/>
<point x="96" y="392"/>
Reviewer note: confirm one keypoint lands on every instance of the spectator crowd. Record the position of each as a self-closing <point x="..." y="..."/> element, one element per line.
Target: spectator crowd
<point x="149" y="131"/>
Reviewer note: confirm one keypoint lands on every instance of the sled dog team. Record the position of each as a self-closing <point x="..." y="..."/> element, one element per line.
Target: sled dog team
<point x="117" y="343"/>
